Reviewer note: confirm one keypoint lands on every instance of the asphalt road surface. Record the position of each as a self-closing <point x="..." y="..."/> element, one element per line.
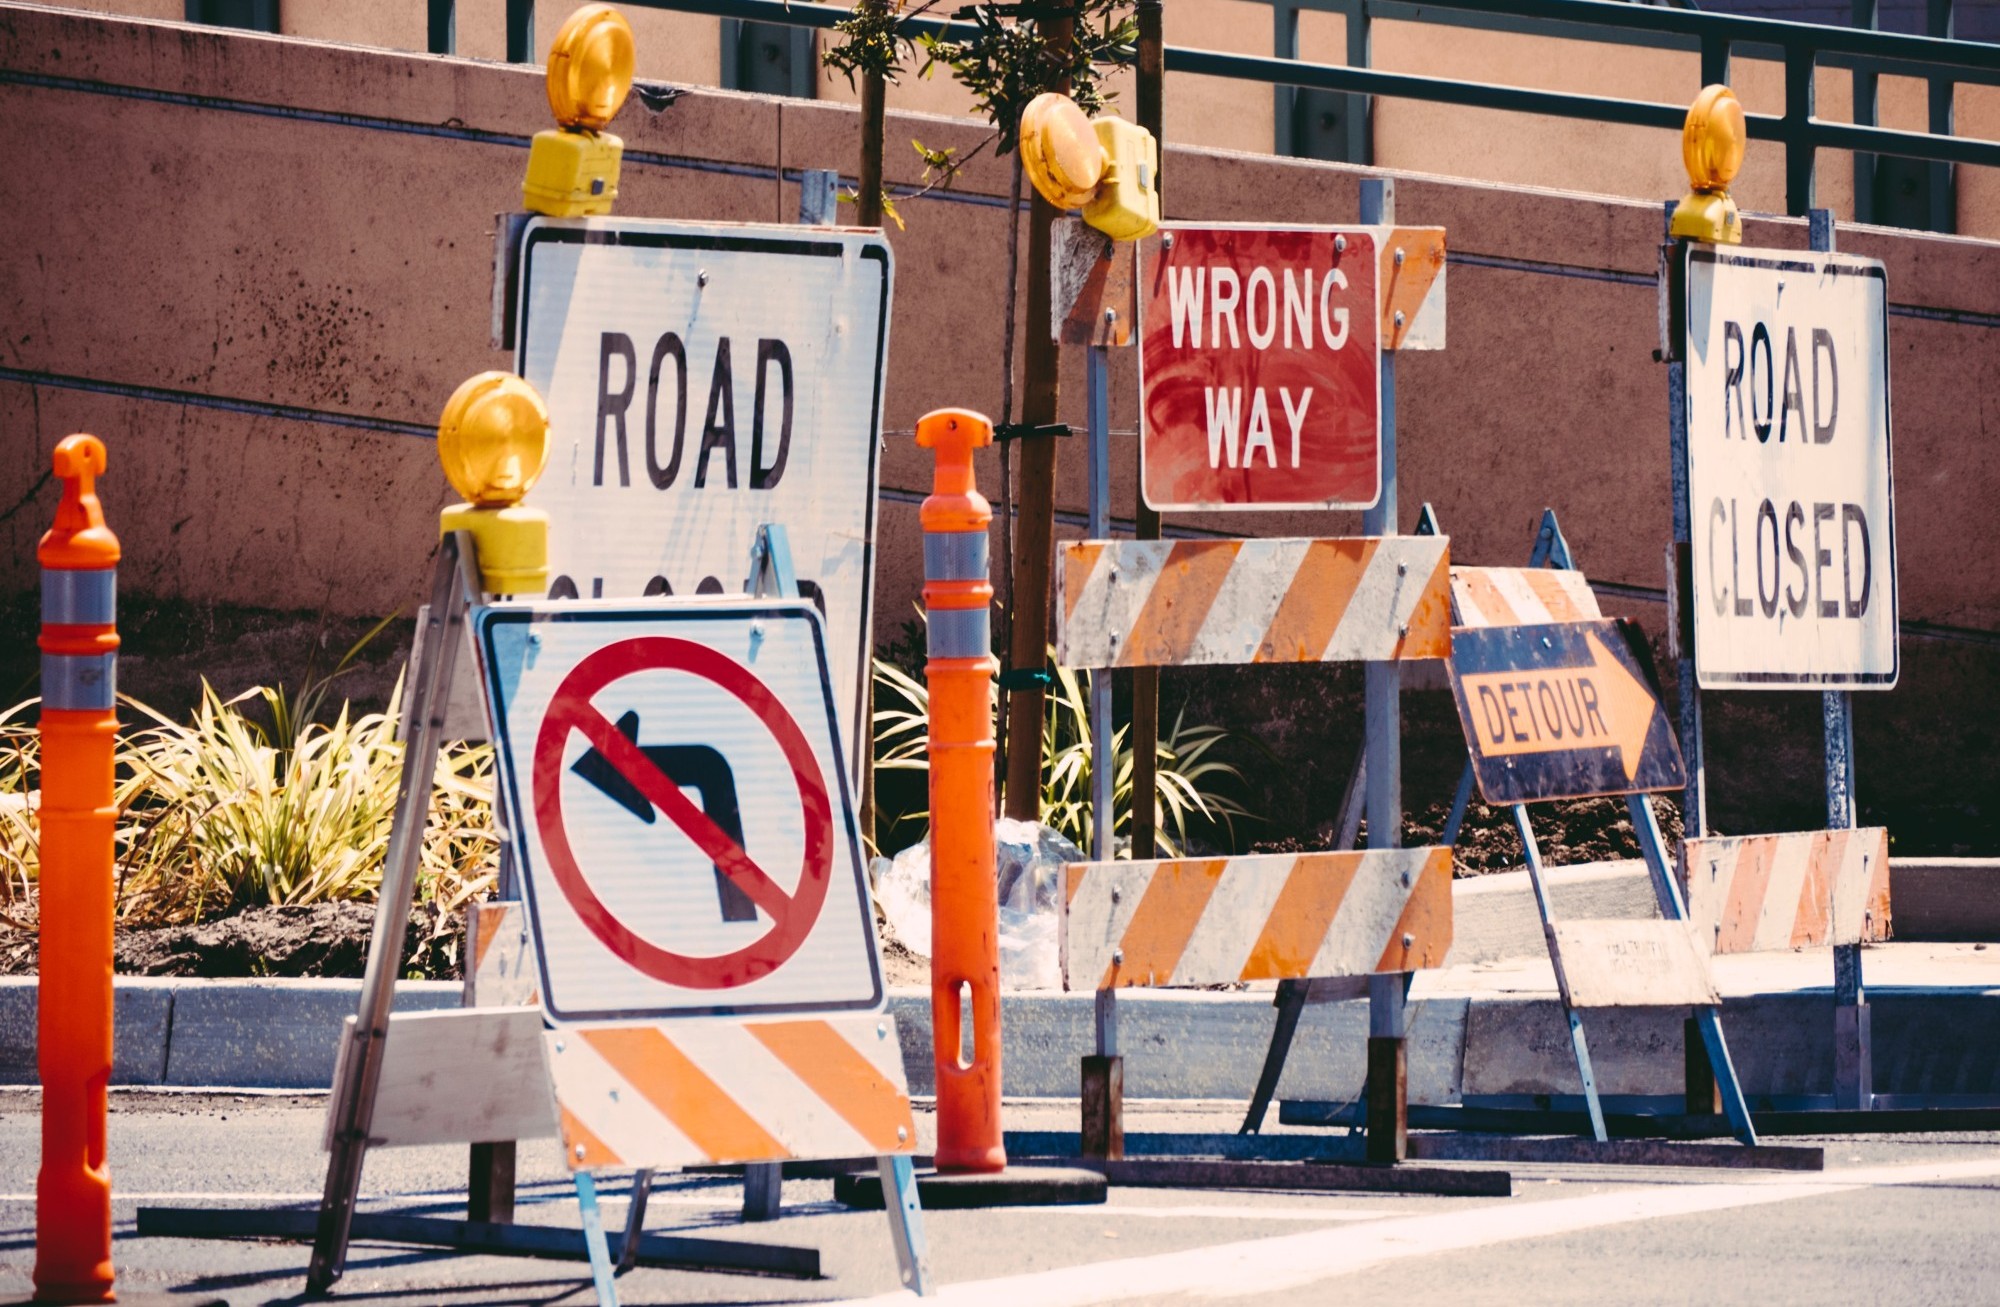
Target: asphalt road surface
<point x="1903" y="1220"/>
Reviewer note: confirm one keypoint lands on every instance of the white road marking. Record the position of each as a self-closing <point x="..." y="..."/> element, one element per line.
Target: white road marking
<point x="1294" y="1261"/>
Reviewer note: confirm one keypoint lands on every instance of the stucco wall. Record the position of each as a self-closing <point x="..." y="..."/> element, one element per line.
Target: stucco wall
<point x="1222" y="113"/>
<point x="257" y="266"/>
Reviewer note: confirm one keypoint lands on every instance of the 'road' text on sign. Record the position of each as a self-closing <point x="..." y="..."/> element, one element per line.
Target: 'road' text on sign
<point x="702" y="381"/>
<point x="1562" y="711"/>
<point x="1789" y="486"/>
<point x="1260" y="370"/>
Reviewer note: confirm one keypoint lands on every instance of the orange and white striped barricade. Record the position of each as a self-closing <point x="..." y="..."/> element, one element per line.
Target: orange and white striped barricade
<point x="1811" y="889"/>
<point x="1384" y="913"/>
<point x="1773" y="893"/>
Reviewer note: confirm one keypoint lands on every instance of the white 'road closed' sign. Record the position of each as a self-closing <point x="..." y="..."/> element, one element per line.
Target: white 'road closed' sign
<point x="1792" y="512"/>
<point x="704" y="379"/>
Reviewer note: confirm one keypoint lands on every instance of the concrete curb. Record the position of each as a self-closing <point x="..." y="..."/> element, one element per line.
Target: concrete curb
<point x="280" y="1035"/>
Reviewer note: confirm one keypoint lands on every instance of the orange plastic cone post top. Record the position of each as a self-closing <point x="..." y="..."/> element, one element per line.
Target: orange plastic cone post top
<point x="965" y="917"/>
<point x="79" y="559"/>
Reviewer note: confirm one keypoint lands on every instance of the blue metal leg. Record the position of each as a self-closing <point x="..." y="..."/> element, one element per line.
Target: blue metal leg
<point x="1459" y="803"/>
<point x="635" y="1219"/>
<point x="1546" y="907"/>
<point x="1667" y="891"/>
<point x="593" y="1241"/>
<point x="906" y="1223"/>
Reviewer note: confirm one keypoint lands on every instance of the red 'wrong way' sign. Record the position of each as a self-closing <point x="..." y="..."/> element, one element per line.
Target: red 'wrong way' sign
<point x="1260" y="370"/>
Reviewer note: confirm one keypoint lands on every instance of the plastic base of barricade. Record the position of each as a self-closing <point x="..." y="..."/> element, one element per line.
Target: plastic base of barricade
<point x="671" y="1252"/>
<point x="1450" y="1146"/>
<point x="1217" y="1161"/>
<point x="1016" y="1186"/>
<point x="1790" y="1116"/>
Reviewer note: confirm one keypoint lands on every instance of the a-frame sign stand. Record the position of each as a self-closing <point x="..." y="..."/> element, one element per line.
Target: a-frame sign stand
<point x="455" y="590"/>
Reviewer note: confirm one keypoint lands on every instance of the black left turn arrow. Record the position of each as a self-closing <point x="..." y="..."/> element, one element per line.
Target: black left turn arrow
<point x="690" y="766"/>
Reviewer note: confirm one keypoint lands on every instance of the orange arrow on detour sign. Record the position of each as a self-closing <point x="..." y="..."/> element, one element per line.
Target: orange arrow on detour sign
<point x="1561" y="711"/>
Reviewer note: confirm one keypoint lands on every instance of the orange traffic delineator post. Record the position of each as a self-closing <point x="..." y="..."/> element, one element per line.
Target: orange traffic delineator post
<point x="79" y="642"/>
<point x="965" y="918"/>
<point x="971" y="1159"/>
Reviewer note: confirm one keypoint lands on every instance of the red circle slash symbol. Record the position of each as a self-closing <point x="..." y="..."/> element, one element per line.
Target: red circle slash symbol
<point x="792" y="915"/>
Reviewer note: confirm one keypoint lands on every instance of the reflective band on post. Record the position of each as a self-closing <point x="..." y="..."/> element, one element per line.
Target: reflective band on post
<point x="72" y="681"/>
<point x="954" y="556"/>
<point x="79" y="598"/>
<point x="960" y="632"/>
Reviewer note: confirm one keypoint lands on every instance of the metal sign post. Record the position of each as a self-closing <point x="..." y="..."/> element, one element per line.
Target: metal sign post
<point x="1853" y="1054"/>
<point x="1388" y="996"/>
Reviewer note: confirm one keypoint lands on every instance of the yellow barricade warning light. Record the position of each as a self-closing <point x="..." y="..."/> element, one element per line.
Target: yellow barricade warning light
<point x="1105" y="168"/>
<point x="573" y="171"/>
<point x="1712" y="144"/>
<point x="1127" y="204"/>
<point x="494" y="441"/>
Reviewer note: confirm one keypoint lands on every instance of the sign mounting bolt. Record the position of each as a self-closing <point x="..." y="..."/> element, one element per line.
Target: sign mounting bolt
<point x="1409" y="941"/>
<point x="701" y="278"/>
<point x="1399" y="256"/>
<point x="1399" y="317"/>
<point x="1340" y="245"/>
<point x="579" y="1152"/>
<point x="902" y="1134"/>
<point x="1166" y="240"/>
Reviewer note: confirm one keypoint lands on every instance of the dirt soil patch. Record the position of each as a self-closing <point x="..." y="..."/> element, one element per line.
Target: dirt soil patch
<point x="1569" y="832"/>
<point x="320" y="940"/>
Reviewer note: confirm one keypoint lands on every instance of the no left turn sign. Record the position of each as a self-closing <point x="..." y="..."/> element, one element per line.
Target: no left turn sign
<point x="678" y="809"/>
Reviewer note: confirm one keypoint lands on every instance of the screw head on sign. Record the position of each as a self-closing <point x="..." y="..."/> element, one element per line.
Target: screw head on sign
<point x="579" y="1152"/>
<point x="1116" y="893"/>
<point x="1406" y="880"/>
<point x="1402" y="569"/>
<point x="881" y="1030"/>
<point x="1399" y="317"/>
<point x="1340" y="245"/>
<point x="614" y="1095"/>
<point x="902" y="1134"/>
<point x="1166" y="240"/>
<point x="559" y="1046"/>
<point x="701" y="278"/>
<point x="1409" y="941"/>
<point x="1399" y="256"/>
<point x="1118" y="957"/>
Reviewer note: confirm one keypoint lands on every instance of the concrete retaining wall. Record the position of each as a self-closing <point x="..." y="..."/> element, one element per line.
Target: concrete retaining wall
<point x="190" y="1034"/>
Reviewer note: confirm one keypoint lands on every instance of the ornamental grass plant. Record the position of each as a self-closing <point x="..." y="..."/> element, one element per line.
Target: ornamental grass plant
<point x="227" y="810"/>
<point x="1190" y="798"/>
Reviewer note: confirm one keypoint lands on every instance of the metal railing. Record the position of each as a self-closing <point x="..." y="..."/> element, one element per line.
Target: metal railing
<point x="1802" y="49"/>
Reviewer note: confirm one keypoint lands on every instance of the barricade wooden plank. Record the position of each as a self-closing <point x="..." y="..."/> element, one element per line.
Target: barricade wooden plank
<point x="1758" y="893"/>
<point x="502" y="954"/>
<point x="693" y="1093"/>
<point x="1631" y="964"/>
<point x="1262" y="917"/>
<point x="1146" y="603"/>
<point x="1520" y="596"/>
<point x="459" y="1076"/>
